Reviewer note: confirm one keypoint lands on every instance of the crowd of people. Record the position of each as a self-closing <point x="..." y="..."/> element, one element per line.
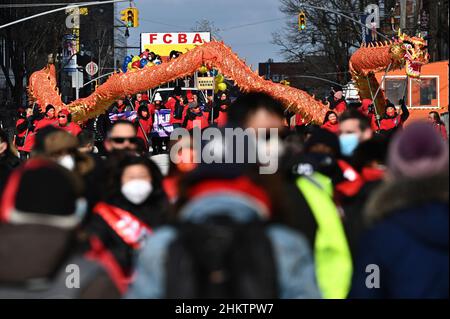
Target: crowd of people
<point x="359" y="192"/>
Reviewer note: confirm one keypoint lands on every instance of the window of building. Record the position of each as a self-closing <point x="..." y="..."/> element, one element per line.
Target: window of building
<point x="275" y="78"/>
<point x="395" y="89"/>
<point x="424" y="92"/>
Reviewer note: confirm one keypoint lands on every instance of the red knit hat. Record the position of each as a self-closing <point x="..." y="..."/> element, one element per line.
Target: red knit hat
<point x="64" y="111"/>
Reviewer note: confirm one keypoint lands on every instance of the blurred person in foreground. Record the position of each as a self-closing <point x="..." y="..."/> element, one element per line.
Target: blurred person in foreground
<point x="303" y="202"/>
<point x="134" y="205"/>
<point x="40" y="237"/>
<point x="369" y="160"/>
<point x="224" y="244"/>
<point x="409" y="224"/>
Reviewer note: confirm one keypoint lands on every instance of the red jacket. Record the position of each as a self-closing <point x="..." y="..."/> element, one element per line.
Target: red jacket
<point x="333" y="128"/>
<point x="221" y="119"/>
<point x="440" y="128"/>
<point x="340" y="107"/>
<point x="170" y="104"/>
<point x="46" y="122"/>
<point x="30" y="136"/>
<point x="299" y="120"/>
<point x="203" y="118"/>
<point x="72" y="128"/>
<point x="352" y="183"/>
<point x="391" y="123"/>
<point x="146" y="125"/>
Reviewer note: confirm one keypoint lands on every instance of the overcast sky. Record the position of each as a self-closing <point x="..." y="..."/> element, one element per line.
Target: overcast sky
<point x="252" y="43"/>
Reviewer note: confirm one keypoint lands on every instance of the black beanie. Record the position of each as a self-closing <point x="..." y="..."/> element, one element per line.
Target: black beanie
<point x="49" y="189"/>
<point x="322" y="136"/>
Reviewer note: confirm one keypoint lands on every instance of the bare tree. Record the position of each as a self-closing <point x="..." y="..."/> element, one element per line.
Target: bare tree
<point x="26" y="46"/>
<point x="205" y="25"/>
<point x="327" y="34"/>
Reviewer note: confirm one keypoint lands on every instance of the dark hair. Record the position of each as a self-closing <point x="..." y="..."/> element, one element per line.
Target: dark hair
<point x="363" y="121"/>
<point x="249" y="103"/>
<point x="120" y="163"/>
<point x="118" y="122"/>
<point x="371" y="150"/>
<point x="86" y="137"/>
<point x="437" y="117"/>
<point x="143" y="107"/>
<point x="325" y="119"/>
<point x="177" y="91"/>
<point x="49" y="107"/>
<point x="39" y="141"/>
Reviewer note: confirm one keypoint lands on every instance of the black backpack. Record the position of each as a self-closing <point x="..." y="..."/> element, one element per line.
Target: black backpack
<point x="221" y="259"/>
<point x="178" y="109"/>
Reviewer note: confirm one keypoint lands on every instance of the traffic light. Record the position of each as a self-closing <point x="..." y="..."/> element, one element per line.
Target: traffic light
<point x="301" y="21"/>
<point x="131" y="17"/>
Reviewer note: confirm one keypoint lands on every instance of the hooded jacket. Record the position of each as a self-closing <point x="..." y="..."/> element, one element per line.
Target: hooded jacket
<point x="407" y="240"/>
<point x="295" y="266"/>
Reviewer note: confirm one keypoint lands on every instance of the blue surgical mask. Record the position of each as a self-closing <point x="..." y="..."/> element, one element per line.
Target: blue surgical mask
<point x="348" y="143"/>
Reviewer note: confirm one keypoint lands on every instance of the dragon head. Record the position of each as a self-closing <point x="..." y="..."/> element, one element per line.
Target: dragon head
<point x="410" y="52"/>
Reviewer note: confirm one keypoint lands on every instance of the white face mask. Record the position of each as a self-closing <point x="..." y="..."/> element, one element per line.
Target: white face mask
<point x="67" y="161"/>
<point x="137" y="190"/>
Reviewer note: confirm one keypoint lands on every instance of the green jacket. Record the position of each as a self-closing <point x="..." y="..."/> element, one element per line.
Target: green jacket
<point x="331" y="250"/>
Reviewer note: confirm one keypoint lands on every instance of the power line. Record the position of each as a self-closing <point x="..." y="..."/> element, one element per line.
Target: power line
<point x="251" y="24"/>
<point x="166" y="24"/>
<point x="30" y="5"/>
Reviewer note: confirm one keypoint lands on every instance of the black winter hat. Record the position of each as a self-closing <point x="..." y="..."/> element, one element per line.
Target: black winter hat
<point x="41" y="187"/>
<point x="321" y="136"/>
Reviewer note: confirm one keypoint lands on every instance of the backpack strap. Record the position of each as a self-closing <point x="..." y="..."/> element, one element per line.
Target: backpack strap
<point x="126" y="225"/>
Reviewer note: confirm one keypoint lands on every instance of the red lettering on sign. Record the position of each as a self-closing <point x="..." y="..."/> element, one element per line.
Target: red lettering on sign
<point x="197" y="38"/>
<point x="165" y="38"/>
<point x="182" y="38"/>
<point x="152" y="37"/>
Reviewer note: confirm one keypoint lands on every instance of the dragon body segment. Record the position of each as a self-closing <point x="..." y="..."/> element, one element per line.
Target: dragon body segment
<point x="42" y="86"/>
<point x="405" y="51"/>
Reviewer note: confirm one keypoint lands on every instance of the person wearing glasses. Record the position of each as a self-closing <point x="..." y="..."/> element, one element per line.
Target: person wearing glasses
<point x="122" y="137"/>
<point x="65" y="123"/>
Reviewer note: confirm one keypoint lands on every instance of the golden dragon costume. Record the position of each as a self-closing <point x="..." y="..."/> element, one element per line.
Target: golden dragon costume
<point x="405" y="51"/>
<point x="42" y="86"/>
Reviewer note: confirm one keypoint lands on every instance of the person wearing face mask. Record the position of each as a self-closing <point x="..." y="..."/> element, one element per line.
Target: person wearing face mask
<point x="134" y="204"/>
<point x="391" y="120"/>
<point x="354" y="128"/>
<point x="325" y="151"/>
